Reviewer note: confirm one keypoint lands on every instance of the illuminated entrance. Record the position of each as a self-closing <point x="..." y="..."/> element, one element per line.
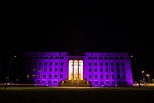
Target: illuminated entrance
<point x="75" y="70"/>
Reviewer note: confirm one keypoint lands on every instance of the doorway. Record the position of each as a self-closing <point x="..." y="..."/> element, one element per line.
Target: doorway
<point x="75" y="70"/>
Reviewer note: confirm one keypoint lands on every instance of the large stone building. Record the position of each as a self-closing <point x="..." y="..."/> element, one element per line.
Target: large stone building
<point x="97" y="68"/>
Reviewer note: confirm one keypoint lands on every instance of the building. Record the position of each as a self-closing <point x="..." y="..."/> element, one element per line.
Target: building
<point x="98" y="68"/>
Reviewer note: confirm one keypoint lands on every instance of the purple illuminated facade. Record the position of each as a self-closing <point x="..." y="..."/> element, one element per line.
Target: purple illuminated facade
<point x="99" y="68"/>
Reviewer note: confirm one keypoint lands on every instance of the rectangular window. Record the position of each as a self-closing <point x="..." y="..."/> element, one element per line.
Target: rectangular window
<point x="107" y="76"/>
<point x="56" y="57"/>
<point x="107" y="82"/>
<point x="61" y="57"/>
<point x="89" y="64"/>
<point x="38" y="75"/>
<point x="102" y="82"/>
<point x="55" y="82"/>
<point x="95" y="76"/>
<point x="43" y="82"/>
<point x="56" y="69"/>
<point x="89" y="57"/>
<point x="45" y="63"/>
<point x="55" y="76"/>
<point x="96" y="82"/>
<point x="44" y="76"/>
<point x="113" y="76"/>
<point x="101" y="76"/>
<point x="100" y="64"/>
<point x="90" y="76"/>
<point x="49" y="82"/>
<point x="61" y="76"/>
<point x="113" y="82"/>
<point x="38" y="81"/>
<point x="56" y="63"/>
<point x="111" y="64"/>
<point x="34" y="63"/>
<point x="61" y="69"/>
<point x="62" y="63"/>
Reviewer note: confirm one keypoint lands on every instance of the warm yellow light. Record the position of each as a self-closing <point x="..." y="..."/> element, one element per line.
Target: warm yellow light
<point x="75" y="70"/>
<point x="70" y="69"/>
<point x="33" y="75"/>
<point x="34" y="69"/>
<point x="142" y="71"/>
<point x="81" y="69"/>
<point x="27" y="75"/>
<point x="147" y="75"/>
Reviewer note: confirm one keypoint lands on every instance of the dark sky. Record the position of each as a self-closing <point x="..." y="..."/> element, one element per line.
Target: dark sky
<point x="85" y="25"/>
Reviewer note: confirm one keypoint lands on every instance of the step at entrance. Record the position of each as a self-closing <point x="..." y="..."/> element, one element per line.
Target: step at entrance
<point x="75" y="83"/>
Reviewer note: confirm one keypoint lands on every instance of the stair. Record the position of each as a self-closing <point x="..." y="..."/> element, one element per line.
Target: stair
<point x="74" y="83"/>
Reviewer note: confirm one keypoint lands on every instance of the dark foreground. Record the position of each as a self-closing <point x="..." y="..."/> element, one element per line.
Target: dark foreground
<point x="76" y="95"/>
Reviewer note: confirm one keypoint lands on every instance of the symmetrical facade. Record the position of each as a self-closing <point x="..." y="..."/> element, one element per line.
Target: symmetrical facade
<point x="99" y="68"/>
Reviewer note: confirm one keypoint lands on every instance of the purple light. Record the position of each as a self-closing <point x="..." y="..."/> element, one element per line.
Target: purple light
<point x="99" y="68"/>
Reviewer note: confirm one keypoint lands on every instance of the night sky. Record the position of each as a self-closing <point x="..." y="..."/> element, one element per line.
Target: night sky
<point x="85" y="25"/>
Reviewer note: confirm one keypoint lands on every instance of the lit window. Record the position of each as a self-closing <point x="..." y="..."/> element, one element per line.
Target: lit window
<point x="27" y="75"/>
<point x="34" y="69"/>
<point x="33" y="76"/>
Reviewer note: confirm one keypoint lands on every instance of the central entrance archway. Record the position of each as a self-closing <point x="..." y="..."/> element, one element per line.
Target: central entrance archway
<point x="75" y="70"/>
